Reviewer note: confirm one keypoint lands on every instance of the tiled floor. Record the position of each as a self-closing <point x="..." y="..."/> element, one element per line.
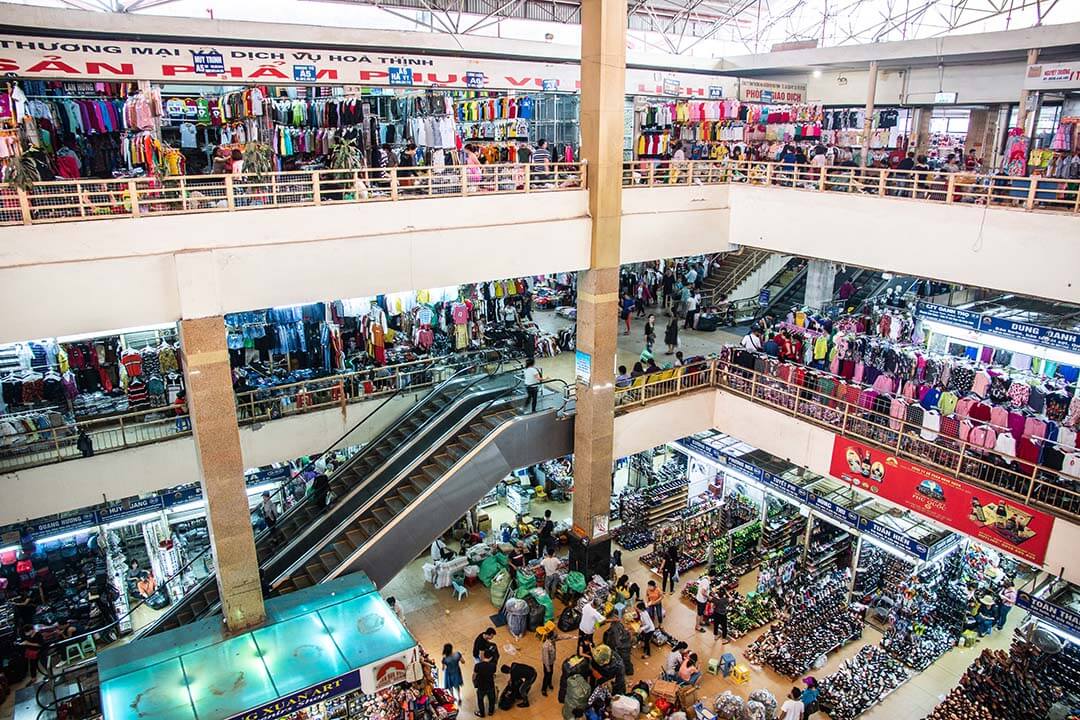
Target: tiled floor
<point x="436" y="618"/>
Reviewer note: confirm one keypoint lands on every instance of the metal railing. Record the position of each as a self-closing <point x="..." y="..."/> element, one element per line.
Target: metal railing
<point x="33" y="448"/>
<point x="1024" y="193"/>
<point x="97" y="199"/>
<point x="1028" y="482"/>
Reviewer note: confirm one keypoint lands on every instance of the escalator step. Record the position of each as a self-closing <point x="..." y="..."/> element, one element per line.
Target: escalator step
<point x="382" y="514"/>
<point x="432" y="472"/>
<point x="369" y="525"/>
<point x="196" y="606"/>
<point x="443" y="461"/>
<point x="329" y="560"/>
<point x="343" y="550"/>
<point x="456" y="450"/>
<point x="395" y="503"/>
<point x="315" y="572"/>
<point x="408" y="493"/>
<point x="301" y="581"/>
<point x="356" y="536"/>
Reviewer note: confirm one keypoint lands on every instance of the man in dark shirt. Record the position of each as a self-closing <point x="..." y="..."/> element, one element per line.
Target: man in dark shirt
<point x="522" y="677"/>
<point x="484" y="645"/>
<point x="547" y="528"/>
<point x="484" y="682"/>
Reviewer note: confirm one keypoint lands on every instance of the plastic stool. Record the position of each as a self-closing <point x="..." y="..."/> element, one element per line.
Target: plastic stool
<point x="544" y="630"/>
<point x="740" y="675"/>
<point x="86" y="648"/>
<point x="713" y="668"/>
<point x="727" y="661"/>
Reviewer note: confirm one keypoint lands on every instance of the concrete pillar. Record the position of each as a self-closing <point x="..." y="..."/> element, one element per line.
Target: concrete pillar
<point x="1022" y="112"/>
<point x="921" y="145"/>
<point x="871" y="91"/>
<point x="820" y="277"/>
<point x="603" y="71"/>
<point x="221" y="470"/>
<point x="978" y="119"/>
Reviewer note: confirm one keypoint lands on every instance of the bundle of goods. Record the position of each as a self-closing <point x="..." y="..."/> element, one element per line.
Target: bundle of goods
<point x="766" y="700"/>
<point x="729" y="706"/>
<point x="1002" y="684"/>
<point x="816" y="622"/>
<point x="860" y="682"/>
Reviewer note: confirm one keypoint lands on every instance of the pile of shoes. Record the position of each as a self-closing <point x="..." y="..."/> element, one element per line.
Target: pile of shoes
<point x="918" y="649"/>
<point x="816" y="622"/>
<point x="860" y="682"/>
<point x="1000" y="685"/>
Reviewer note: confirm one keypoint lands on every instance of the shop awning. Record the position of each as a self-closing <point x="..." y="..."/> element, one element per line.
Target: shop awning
<point x="336" y="632"/>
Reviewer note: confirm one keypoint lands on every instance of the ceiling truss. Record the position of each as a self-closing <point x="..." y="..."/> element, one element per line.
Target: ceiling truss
<point x="679" y="26"/>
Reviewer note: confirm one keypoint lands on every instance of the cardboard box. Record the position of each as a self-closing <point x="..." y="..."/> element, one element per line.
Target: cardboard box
<point x="666" y="689"/>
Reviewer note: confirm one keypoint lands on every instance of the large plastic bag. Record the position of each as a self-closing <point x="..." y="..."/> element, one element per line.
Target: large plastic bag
<point x="574" y="582"/>
<point x="500" y="586"/>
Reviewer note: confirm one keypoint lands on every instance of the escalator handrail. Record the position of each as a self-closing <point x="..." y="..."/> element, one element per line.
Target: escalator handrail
<point x="506" y="394"/>
<point x="455" y="402"/>
<point x="201" y="556"/>
<point x="498" y="357"/>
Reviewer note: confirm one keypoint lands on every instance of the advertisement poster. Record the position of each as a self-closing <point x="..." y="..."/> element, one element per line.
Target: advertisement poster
<point x="982" y="514"/>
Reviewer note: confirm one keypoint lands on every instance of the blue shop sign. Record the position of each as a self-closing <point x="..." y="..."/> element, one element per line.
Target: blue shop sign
<point x="304" y="73"/>
<point x="551" y="85"/>
<point x="766" y="96"/>
<point x="793" y="491"/>
<point x="716" y="92"/>
<point x="744" y="467"/>
<point x="400" y="76"/>
<point x="764" y="297"/>
<point x="948" y="315"/>
<point x="59" y="526"/>
<point x="1061" y="617"/>
<point x="836" y="512"/>
<point x="1035" y="334"/>
<point x="208" y="62"/>
<point x="475" y="79"/>
<point x="179" y="497"/>
<point x="893" y="538"/>
<point x="124" y="511"/>
<point x="701" y="448"/>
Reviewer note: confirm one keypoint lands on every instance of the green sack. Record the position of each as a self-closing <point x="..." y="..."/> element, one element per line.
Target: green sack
<point x="490" y="567"/>
<point x="543" y="599"/>
<point x="575" y="582"/>
<point x="500" y="586"/>
<point x="525" y="580"/>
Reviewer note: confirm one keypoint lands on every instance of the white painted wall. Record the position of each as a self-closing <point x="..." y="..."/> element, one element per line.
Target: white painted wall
<point x="647" y="427"/>
<point x="1030" y="253"/>
<point x="973" y="83"/>
<point x="674" y="221"/>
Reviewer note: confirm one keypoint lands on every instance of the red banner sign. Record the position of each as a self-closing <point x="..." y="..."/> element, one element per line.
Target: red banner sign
<point x="982" y="514"/>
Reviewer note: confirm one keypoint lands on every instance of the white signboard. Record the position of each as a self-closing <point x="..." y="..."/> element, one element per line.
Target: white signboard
<point x="40" y="57"/>
<point x="768" y="92"/>
<point x="1053" y="76"/>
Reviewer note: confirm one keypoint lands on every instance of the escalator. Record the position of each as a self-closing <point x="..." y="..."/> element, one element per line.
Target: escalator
<point x="399" y="420"/>
<point x="454" y="461"/>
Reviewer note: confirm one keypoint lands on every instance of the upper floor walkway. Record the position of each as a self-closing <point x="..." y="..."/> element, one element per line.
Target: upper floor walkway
<point x="173" y="248"/>
<point x="794" y="415"/>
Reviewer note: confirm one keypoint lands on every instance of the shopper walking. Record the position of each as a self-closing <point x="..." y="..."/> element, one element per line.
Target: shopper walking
<point x="701" y="596"/>
<point x="522" y="677"/>
<point x="451" y="662"/>
<point x="551" y="565"/>
<point x="541" y="159"/>
<point x="669" y="568"/>
<point x="547" y="533"/>
<point x="671" y="335"/>
<point x="668" y="285"/>
<point x="547" y="661"/>
<point x="269" y="513"/>
<point x="654" y="603"/>
<point x="320" y="490"/>
<point x="590" y="618"/>
<point x="793" y="707"/>
<point x="692" y="303"/>
<point x="484" y="682"/>
<point x="626" y="308"/>
<point x="650" y="332"/>
<point x="809" y="697"/>
<point x="719" y="615"/>
<point x="1006" y="601"/>
<point x="533" y="376"/>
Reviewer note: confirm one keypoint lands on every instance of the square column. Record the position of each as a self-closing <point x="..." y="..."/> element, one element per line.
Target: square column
<point x="603" y="83"/>
<point x="212" y="407"/>
<point x="820" y="278"/>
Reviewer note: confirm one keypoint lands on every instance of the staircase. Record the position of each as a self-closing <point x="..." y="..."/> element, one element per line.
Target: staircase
<point x="729" y="270"/>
